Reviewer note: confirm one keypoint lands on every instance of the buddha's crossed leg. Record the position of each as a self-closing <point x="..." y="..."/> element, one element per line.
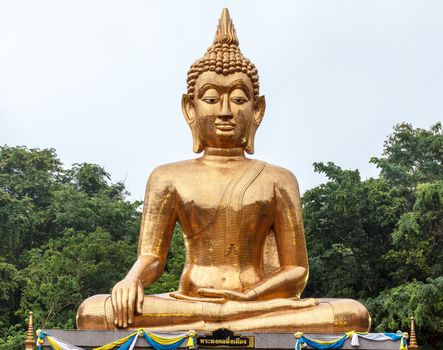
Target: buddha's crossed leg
<point x="164" y="313"/>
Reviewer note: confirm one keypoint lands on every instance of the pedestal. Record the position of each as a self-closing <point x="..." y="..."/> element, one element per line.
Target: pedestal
<point x="274" y="341"/>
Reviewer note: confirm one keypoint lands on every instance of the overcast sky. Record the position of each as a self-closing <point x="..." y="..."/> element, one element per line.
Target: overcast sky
<point x="101" y="81"/>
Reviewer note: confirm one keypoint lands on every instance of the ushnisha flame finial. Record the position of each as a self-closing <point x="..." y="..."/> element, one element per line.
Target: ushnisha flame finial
<point x="225" y="33"/>
<point x="223" y="57"/>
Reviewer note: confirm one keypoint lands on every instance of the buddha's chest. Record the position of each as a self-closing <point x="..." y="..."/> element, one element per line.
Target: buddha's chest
<point x="224" y="205"/>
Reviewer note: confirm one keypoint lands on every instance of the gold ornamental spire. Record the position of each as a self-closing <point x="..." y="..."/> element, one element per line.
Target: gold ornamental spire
<point x="29" y="341"/>
<point x="413" y="338"/>
<point x="225" y="33"/>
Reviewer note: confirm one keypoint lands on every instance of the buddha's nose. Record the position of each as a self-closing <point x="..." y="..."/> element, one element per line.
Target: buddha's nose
<point x="225" y="112"/>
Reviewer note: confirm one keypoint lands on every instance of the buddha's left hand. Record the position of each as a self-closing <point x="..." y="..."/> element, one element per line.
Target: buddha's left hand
<point x="227" y="294"/>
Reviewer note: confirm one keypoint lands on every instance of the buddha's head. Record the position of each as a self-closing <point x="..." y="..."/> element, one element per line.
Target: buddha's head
<point x="222" y="105"/>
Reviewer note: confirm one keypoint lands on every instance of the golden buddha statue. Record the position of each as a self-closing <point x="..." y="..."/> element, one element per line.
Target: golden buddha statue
<point x="246" y="259"/>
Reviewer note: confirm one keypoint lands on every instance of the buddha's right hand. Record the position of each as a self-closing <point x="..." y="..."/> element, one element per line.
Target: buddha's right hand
<point x="127" y="299"/>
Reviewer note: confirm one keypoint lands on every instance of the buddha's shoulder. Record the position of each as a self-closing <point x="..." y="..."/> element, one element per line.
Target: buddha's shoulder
<point x="278" y="174"/>
<point x="171" y="171"/>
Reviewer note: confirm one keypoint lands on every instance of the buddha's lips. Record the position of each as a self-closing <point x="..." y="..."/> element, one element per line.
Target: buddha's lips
<point x="225" y="126"/>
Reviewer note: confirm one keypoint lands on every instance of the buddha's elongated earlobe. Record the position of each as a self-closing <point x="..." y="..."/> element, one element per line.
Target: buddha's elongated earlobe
<point x="259" y="112"/>
<point x="188" y="113"/>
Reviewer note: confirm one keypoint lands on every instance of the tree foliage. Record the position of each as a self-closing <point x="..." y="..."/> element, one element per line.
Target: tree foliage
<point x="66" y="270"/>
<point x="381" y="238"/>
<point x="66" y="234"/>
<point x="412" y="156"/>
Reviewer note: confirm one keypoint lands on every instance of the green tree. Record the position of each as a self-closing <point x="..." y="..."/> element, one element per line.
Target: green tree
<point x="393" y="308"/>
<point x="417" y="252"/>
<point x="383" y="233"/>
<point x="67" y="233"/>
<point x="86" y="211"/>
<point x="345" y="235"/>
<point x="8" y="286"/>
<point x="412" y="156"/>
<point x="67" y="270"/>
<point x="27" y="180"/>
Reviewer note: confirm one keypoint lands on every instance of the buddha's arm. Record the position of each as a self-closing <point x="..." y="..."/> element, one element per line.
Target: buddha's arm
<point x="291" y="278"/>
<point x="157" y="225"/>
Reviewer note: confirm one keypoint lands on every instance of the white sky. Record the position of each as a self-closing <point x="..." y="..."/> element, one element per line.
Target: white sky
<point x="101" y="81"/>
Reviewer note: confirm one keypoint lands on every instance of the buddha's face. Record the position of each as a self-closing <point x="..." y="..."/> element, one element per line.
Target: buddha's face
<point x="223" y="112"/>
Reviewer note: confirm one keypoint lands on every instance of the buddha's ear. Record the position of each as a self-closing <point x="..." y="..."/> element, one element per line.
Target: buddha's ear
<point x="189" y="114"/>
<point x="259" y="112"/>
<point x="259" y="109"/>
<point x="188" y="109"/>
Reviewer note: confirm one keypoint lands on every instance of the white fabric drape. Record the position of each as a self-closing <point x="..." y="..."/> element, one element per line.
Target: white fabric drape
<point x="370" y="336"/>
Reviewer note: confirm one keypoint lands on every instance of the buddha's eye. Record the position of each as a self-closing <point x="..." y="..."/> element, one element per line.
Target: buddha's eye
<point x="211" y="99"/>
<point x="238" y="96"/>
<point x="211" y="96"/>
<point x="239" y="100"/>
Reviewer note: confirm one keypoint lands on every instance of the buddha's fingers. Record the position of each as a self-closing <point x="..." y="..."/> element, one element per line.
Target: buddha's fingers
<point x="213" y="293"/>
<point x="181" y="296"/>
<point x="301" y="303"/>
<point x="140" y="298"/>
<point x="226" y="294"/>
<point x="125" y="307"/>
<point x="114" y="305"/>
<point x="118" y="301"/>
<point x="131" y="302"/>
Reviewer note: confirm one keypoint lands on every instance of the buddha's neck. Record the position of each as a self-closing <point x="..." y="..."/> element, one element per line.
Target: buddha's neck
<point x="224" y="153"/>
